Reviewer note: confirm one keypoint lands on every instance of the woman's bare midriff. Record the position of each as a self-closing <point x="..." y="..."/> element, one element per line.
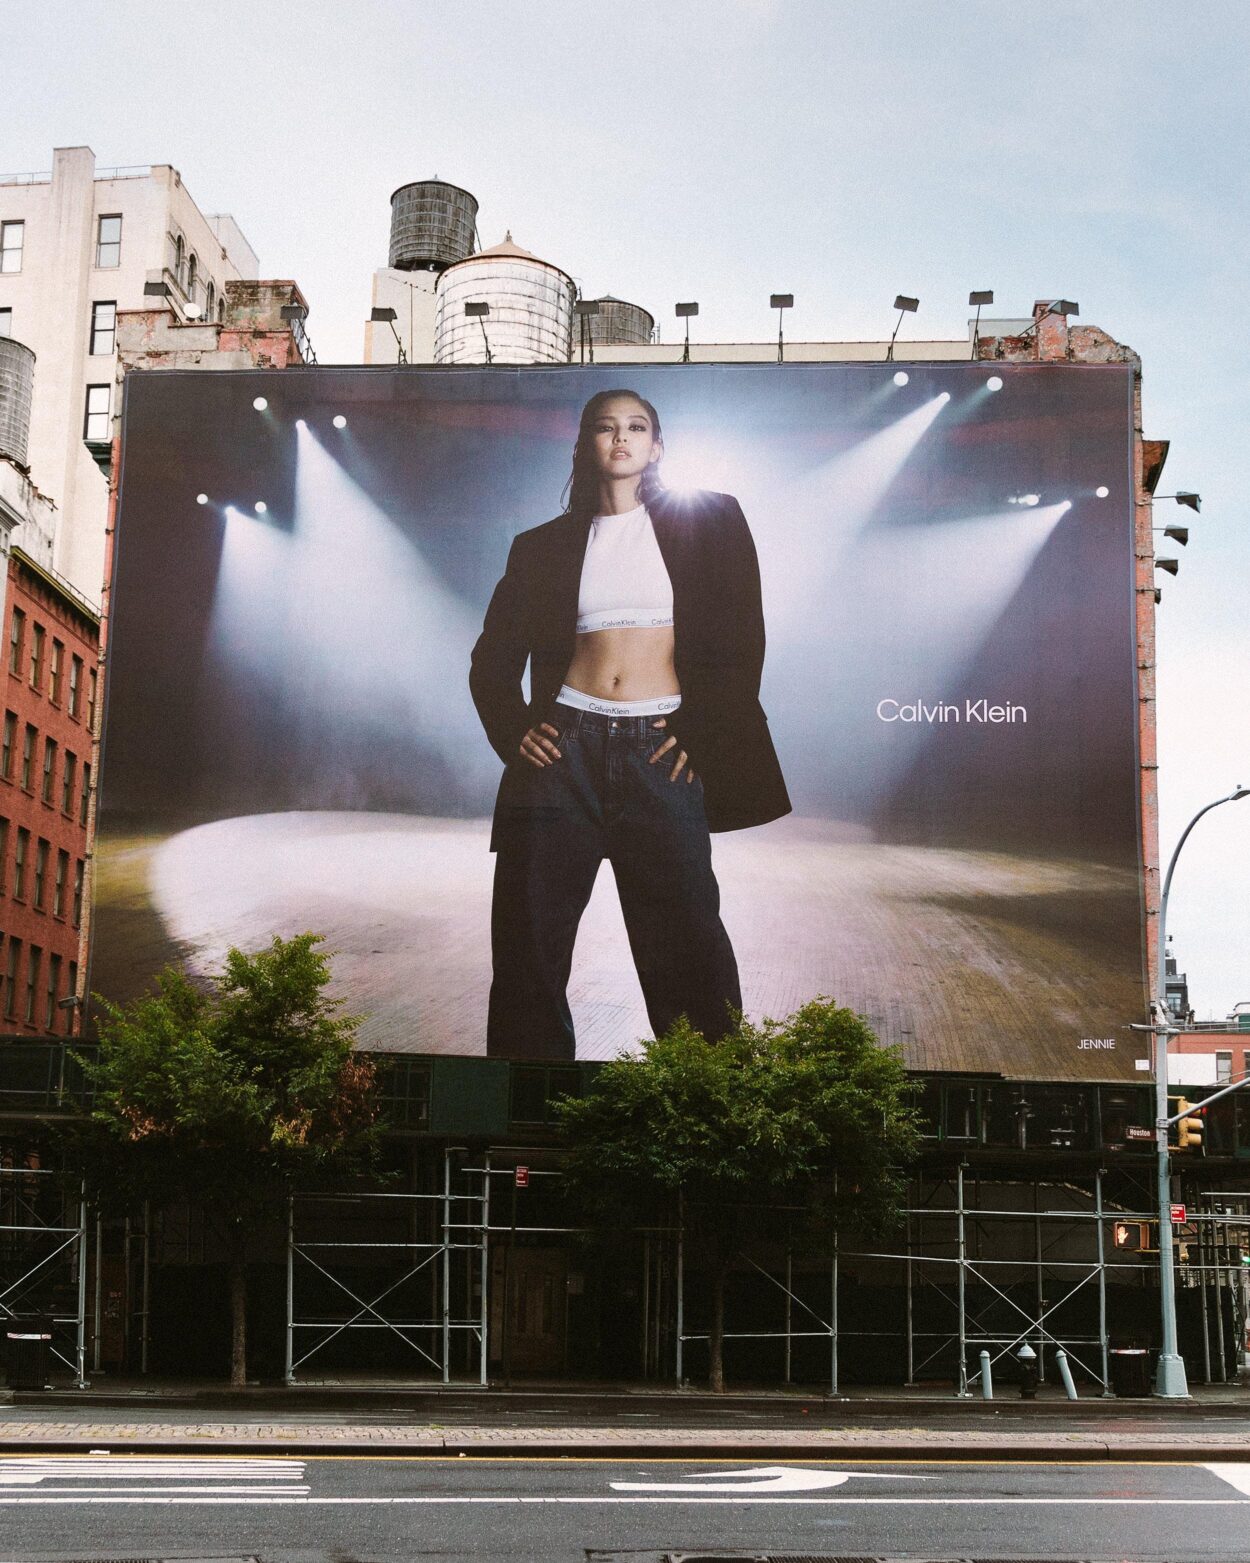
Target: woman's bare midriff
<point x="624" y="664"/>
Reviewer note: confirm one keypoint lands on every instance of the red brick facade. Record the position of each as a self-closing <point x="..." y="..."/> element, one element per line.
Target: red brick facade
<point x="50" y="676"/>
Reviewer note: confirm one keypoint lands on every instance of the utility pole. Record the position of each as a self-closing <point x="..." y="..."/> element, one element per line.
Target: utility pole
<point x="1170" y="1381"/>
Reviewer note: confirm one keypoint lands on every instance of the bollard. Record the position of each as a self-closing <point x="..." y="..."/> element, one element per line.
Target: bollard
<point x="1027" y="1358"/>
<point x="1065" y="1372"/>
<point x="987" y="1382"/>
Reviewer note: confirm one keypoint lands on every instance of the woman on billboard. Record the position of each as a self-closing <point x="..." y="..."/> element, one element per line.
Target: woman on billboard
<point x="639" y="612"/>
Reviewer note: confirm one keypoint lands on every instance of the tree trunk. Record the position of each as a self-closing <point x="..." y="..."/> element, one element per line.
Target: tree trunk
<point x="716" y="1335"/>
<point x="238" y="1314"/>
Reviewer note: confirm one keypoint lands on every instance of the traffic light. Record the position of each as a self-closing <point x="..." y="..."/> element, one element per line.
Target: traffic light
<point x="1189" y="1129"/>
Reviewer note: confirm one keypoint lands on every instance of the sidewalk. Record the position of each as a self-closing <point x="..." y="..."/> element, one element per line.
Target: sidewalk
<point x="378" y="1418"/>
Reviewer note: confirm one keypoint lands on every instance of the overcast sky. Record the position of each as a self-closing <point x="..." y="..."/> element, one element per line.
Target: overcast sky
<point x="842" y="150"/>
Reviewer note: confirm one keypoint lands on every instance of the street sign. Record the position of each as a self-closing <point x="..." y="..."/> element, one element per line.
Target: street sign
<point x="1178" y="1214"/>
<point x="523" y="1179"/>
<point x="1136" y="1132"/>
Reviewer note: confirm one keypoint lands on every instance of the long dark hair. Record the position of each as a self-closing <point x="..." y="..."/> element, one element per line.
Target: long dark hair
<point x="581" y="492"/>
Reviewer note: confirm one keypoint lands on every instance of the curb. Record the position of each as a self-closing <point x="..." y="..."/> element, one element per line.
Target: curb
<point x="881" y="1451"/>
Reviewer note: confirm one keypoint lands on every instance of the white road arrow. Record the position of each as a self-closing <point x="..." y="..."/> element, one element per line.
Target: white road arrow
<point x="764" y="1478"/>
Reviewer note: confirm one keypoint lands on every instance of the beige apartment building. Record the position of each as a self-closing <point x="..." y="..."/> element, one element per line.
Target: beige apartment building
<point x="78" y="244"/>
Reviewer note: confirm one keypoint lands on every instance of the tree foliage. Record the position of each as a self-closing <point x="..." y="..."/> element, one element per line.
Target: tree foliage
<point x="231" y="1093"/>
<point x="810" y="1113"/>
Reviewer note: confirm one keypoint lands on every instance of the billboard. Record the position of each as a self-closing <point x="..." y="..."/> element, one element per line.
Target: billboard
<point x="815" y="679"/>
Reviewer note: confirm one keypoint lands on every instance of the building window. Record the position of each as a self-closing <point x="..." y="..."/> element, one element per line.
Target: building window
<point x="10" y="978"/>
<point x="108" y="242"/>
<point x="78" y="873"/>
<point x="193" y="271"/>
<point x="10" y="738"/>
<point x="55" y="664"/>
<point x="180" y="259"/>
<point x="28" y="755"/>
<point x="58" y="884"/>
<point x="95" y="423"/>
<point x="221" y="310"/>
<point x="4" y="852"/>
<point x="69" y="775"/>
<point x="91" y="684"/>
<point x="1223" y="1068"/>
<point x="12" y="241"/>
<point x="103" y="327"/>
<point x="41" y="872"/>
<point x="210" y="302"/>
<point x="33" y="962"/>
<point x="6" y="322"/>
<point x="71" y="993"/>
<point x="36" y="656"/>
<point x="19" y="863"/>
<point x="54" y="983"/>
<point x="86" y="795"/>
<point x="75" y="684"/>
<point x="49" y="768"/>
<point x="17" y="634"/>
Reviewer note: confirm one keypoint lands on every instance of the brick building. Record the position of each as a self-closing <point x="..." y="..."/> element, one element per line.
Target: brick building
<point x="51" y="640"/>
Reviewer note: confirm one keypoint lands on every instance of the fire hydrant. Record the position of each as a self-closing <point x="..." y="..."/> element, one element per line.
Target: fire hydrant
<point x="1027" y="1358"/>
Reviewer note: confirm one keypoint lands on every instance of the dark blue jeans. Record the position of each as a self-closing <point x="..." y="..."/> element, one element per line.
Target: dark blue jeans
<point x="554" y="826"/>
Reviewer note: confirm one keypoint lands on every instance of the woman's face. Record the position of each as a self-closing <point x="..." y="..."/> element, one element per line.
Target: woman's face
<point x="623" y="439"/>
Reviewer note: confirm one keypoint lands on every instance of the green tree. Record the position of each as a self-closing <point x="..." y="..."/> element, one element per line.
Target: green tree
<point x="231" y="1094"/>
<point x="811" y="1112"/>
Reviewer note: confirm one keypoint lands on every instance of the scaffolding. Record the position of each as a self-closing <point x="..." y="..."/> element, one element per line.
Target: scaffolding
<point x="987" y="1262"/>
<point x="43" y="1260"/>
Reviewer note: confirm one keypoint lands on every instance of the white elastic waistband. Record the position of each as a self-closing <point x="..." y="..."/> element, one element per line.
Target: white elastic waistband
<point x="660" y="705"/>
<point x="625" y="619"/>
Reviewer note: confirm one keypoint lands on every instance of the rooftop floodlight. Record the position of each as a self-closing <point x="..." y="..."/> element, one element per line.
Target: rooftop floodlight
<point x="686" y="312"/>
<point x="905" y="306"/>
<point x="1178" y="534"/>
<point x="158" y="289"/>
<point x="479" y="310"/>
<point x="979" y="296"/>
<point x="290" y="312"/>
<point x="584" y="308"/>
<point x="387" y="317"/>
<point x="1064" y="307"/>
<point x="780" y="302"/>
<point x="1190" y="501"/>
<point x="1172" y="566"/>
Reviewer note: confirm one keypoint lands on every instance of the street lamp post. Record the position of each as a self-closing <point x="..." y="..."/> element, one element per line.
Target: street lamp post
<point x="1170" y="1382"/>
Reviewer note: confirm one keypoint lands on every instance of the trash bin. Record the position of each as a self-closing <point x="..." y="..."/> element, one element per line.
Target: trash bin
<point x="1130" y="1372"/>
<point x="28" y="1347"/>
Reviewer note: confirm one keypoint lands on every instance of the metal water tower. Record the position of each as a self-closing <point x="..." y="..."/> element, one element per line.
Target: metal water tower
<point x="17" y="384"/>
<point x="619" y="324"/>
<point x="432" y="225"/>
<point x="529" y="303"/>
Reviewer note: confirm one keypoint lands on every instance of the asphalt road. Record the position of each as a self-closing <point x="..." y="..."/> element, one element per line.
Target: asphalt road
<point x="334" y="1509"/>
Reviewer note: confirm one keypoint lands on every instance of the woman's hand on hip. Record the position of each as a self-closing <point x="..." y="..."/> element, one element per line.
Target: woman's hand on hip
<point x="538" y="748"/>
<point x="680" y="760"/>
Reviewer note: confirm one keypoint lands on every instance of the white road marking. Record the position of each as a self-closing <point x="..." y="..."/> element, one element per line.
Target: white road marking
<point x="775" y="1478"/>
<point x="1236" y="1475"/>
<point x="740" y="1501"/>
<point x="241" y="1478"/>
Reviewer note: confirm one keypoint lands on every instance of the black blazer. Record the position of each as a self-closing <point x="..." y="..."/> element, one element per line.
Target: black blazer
<point x="718" y="625"/>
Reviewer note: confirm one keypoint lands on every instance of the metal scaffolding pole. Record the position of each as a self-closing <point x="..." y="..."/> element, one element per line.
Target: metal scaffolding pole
<point x="289" y="1371"/>
<point x="484" y="1312"/>
<point x="911" y="1342"/>
<point x="1104" y="1358"/>
<point x="81" y="1351"/>
<point x="962" y="1390"/>
<point x="681" y="1287"/>
<point x="446" y="1264"/>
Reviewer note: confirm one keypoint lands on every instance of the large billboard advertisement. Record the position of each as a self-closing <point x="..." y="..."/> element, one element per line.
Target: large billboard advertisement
<point x="564" y="701"/>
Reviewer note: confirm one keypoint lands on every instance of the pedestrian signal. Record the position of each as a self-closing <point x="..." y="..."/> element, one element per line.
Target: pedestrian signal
<point x="1131" y="1237"/>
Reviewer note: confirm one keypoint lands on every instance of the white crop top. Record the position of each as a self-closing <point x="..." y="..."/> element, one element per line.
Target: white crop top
<point x="624" y="582"/>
